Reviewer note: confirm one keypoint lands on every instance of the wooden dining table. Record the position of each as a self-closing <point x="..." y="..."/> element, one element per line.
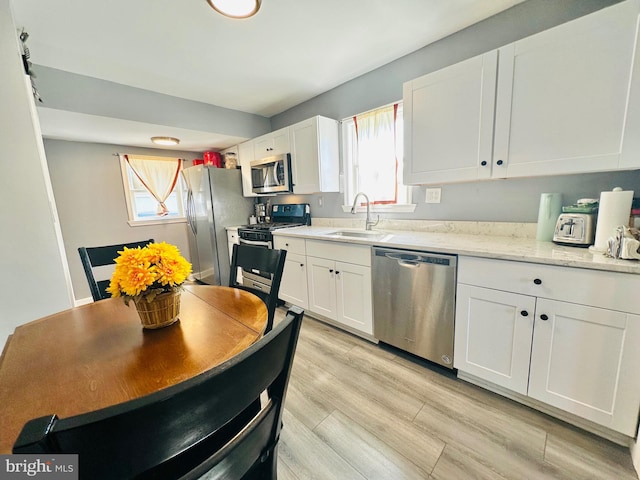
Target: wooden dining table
<point x="98" y="355"/>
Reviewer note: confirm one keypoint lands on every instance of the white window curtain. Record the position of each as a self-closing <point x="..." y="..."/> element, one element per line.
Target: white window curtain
<point x="377" y="149"/>
<point x="158" y="175"/>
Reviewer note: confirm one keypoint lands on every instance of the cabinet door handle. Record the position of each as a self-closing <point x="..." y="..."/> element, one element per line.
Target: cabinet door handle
<point x="302" y="264"/>
<point x="331" y="270"/>
<point x="499" y="162"/>
<point x="544" y="317"/>
<point x="483" y="163"/>
<point x="537" y="281"/>
<point x="337" y="272"/>
<point x="524" y="313"/>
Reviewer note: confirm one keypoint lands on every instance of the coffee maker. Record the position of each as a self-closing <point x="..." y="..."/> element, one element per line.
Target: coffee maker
<point x="262" y="213"/>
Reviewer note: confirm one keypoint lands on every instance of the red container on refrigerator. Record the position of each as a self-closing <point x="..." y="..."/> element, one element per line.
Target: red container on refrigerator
<point x="212" y="158"/>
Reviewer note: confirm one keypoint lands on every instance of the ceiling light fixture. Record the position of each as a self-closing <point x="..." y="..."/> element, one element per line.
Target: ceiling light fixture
<point x="236" y="8"/>
<point x="165" y="140"/>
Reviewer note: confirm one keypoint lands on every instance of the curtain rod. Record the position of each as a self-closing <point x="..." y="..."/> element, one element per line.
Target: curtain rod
<point x="119" y="154"/>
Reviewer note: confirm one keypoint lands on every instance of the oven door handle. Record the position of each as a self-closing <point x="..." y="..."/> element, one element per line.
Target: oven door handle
<point x="257" y="243"/>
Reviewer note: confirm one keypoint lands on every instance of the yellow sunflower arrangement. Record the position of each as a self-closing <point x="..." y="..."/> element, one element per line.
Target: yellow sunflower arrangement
<point x="148" y="272"/>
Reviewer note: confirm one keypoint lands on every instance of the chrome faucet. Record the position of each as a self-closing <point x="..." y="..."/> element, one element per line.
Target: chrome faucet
<point x="368" y="222"/>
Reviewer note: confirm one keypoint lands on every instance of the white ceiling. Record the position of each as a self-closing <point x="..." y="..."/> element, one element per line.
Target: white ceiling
<point x="291" y="51"/>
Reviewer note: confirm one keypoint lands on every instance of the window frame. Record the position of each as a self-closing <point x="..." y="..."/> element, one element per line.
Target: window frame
<point x="350" y="175"/>
<point x="127" y="185"/>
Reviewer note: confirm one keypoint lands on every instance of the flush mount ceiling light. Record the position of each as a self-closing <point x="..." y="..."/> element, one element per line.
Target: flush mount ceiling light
<point x="165" y="140"/>
<point x="236" y="8"/>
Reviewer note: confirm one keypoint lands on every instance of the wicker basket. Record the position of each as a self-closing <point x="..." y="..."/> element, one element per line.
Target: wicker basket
<point x="162" y="311"/>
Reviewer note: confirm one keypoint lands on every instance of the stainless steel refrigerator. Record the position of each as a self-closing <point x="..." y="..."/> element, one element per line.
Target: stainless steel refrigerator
<point x="213" y="201"/>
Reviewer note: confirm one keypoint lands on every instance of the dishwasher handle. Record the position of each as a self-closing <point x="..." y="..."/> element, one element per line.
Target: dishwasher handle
<point x="403" y="262"/>
<point x="415" y="259"/>
<point x="408" y="264"/>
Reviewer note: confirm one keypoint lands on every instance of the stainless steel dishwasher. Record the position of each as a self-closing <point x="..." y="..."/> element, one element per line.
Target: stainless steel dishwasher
<point x="414" y="302"/>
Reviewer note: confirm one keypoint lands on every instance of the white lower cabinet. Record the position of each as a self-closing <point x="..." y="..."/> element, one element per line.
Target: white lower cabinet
<point x="293" y="287"/>
<point x="585" y="360"/>
<point x="340" y="290"/>
<point x="321" y="278"/>
<point x="556" y="334"/>
<point x="493" y="335"/>
<point x="233" y="239"/>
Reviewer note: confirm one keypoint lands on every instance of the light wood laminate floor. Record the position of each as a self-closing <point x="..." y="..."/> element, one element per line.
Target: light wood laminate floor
<point x="355" y="410"/>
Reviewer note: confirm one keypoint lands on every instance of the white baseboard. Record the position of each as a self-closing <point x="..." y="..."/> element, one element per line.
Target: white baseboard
<point x="589" y="426"/>
<point x="82" y="301"/>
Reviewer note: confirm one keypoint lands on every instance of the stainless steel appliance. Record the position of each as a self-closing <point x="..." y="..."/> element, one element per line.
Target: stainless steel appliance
<point x="213" y="201"/>
<point x="271" y="174"/>
<point x="414" y="302"/>
<point x="261" y="212"/>
<point x="575" y="229"/>
<point x="261" y="234"/>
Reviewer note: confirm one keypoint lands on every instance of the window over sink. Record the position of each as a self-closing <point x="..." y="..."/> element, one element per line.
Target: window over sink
<point x="372" y="145"/>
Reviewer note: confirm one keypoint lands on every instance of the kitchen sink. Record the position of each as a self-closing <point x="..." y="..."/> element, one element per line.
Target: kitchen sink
<point x="360" y="234"/>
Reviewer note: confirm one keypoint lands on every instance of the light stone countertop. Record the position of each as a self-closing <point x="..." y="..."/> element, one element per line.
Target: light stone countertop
<point x="487" y="246"/>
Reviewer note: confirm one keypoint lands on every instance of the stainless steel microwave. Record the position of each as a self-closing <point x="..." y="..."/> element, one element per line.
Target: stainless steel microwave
<point x="271" y="174"/>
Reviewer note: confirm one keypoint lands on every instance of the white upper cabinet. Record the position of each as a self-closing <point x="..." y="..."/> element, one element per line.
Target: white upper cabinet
<point x="315" y="156"/>
<point x="562" y="95"/>
<point x="274" y="143"/>
<point x="565" y="102"/>
<point x="245" y="157"/>
<point x="313" y="145"/>
<point x="448" y="122"/>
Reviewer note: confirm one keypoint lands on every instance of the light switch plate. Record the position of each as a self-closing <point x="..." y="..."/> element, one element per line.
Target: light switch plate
<point x="433" y="195"/>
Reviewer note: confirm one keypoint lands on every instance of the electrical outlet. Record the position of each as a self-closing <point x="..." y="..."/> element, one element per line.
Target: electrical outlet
<point x="320" y="201"/>
<point x="433" y="195"/>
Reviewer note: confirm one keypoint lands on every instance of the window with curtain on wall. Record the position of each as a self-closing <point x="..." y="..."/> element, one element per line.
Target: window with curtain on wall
<point x="373" y="153"/>
<point x="153" y="189"/>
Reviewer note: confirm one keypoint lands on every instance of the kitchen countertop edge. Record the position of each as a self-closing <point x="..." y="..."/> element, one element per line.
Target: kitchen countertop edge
<point x="486" y="246"/>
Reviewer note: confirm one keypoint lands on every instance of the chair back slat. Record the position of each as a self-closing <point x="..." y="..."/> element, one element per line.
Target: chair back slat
<point x="264" y="260"/>
<point x="212" y="421"/>
<point x="93" y="257"/>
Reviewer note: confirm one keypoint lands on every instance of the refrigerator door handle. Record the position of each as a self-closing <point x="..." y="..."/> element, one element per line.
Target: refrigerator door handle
<point x="190" y="213"/>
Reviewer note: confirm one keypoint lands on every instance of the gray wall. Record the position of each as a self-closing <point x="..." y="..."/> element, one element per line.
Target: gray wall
<point x="491" y="200"/>
<point x="87" y="185"/>
<point x="78" y="93"/>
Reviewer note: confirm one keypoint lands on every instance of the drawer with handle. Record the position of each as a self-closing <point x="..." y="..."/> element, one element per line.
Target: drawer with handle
<point x="612" y="290"/>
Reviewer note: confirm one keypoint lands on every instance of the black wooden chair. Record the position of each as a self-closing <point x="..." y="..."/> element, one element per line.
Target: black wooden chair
<point x="203" y="425"/>
<point x="263" y="260"/>
<point x="93" y="257"/>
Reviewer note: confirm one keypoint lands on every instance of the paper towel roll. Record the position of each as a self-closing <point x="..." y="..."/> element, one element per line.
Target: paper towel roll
<point x="550" y="208"/>
<point x="613" y="211"/>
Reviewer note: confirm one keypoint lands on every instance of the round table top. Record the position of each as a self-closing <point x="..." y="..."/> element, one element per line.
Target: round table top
<point x="98" y="355"/>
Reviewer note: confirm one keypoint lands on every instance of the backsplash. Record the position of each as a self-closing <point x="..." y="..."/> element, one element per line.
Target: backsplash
<point x="500" y="229"/>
